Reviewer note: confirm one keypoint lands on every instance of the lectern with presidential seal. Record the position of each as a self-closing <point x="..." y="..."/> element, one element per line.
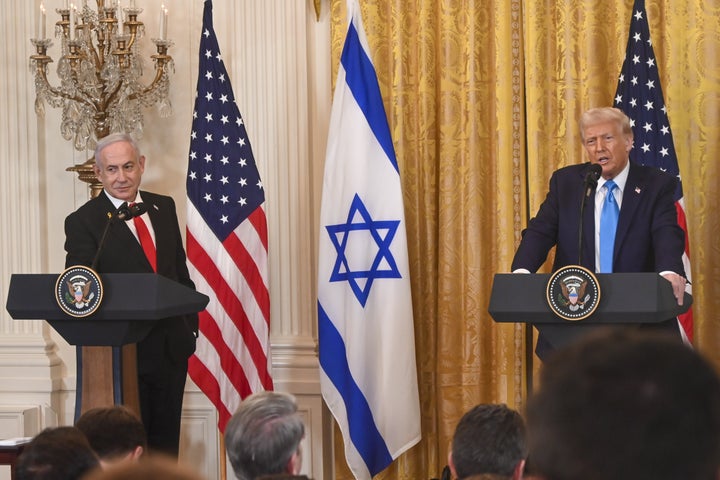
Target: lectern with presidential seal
<point x="106" y="311"/>
<point x="573" y="301"/>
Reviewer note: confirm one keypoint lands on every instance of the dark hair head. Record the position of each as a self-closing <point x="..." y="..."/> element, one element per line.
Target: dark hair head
<point x="112" y="431"/>
<point x="626" y="405"/>
<point x="61" y="453"/>
<point x="156" y="467"/>
<point x="488" y="439"/>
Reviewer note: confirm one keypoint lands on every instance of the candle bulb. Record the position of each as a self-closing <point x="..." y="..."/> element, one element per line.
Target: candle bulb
<point x="165" y="14"/>
<point x="41" y="22"/>
<point x="72" y="21"/>
<point x="132" y="4"/>
<point x="121" y="20"/>
<point x="163" y="19"/>
<point x="65" y="4"/>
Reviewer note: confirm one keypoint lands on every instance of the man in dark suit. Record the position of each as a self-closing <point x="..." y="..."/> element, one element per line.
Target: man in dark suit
<point x="162" y="356"/>
<point x="648" y="237"/>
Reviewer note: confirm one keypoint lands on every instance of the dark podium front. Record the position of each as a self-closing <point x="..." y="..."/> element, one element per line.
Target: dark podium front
<point x="132" y="303"/>
<point x="625" y="299"/>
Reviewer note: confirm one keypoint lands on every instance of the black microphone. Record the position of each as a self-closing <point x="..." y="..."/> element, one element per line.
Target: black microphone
<point x="591" y="178"/>
<point x="124" y="212"/>
<point x="136" y="209"/>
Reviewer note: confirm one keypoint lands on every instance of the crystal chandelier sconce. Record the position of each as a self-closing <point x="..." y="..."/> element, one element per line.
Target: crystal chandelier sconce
<point x="100" y="73"/>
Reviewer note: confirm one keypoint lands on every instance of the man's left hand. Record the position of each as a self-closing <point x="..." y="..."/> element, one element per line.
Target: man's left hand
<point x="678" y="285"/>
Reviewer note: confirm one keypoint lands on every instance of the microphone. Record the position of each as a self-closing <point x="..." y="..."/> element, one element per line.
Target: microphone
<point x="124" y="212"/>
<point x="591" y="178"/>
<point x="137" y="209"/>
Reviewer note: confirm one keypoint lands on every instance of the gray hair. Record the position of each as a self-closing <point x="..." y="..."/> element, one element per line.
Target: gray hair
<point x="263" y="434"/>
<point x="115" y="138"/>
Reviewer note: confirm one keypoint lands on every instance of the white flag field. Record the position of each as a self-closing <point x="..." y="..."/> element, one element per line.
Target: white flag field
<point x="365" y="319"/>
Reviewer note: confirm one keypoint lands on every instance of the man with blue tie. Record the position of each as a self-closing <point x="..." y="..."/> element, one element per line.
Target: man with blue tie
<point x="632" y="225"/>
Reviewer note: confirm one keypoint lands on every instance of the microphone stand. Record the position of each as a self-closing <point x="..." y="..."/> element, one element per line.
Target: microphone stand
<point x="591" y="178"/>
<point x="122" y="213"/>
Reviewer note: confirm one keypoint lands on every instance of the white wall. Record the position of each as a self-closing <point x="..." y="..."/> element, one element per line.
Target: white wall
<point x="278" y="57"/>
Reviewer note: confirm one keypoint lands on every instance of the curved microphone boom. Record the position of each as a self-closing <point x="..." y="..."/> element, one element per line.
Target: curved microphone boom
<point x="124" y="212"/>
<point x="591" y="178"/>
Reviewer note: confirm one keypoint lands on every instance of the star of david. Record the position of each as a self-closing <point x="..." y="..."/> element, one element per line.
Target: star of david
<point x="357" y="239"/>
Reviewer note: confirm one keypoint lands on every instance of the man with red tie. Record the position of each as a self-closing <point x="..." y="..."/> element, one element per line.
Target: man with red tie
<point x="150" y="243"/>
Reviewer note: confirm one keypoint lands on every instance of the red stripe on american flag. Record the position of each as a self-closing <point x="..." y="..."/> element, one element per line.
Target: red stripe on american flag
<point x="225" y="295"/>
<point x="206" y="381"/>
<point x="259" y="221"/>
<point x="682" y="221"/>
<point x="233" y="370"/>
<point x="244" y="261"/>
<point x="686" y="319"/>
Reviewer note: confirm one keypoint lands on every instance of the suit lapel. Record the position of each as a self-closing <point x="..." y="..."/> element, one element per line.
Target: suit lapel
<point x="155" y="213"/>
<point x="588" y="223"/>
<point x="119" y="231"/>
<point x="632" y="195"/>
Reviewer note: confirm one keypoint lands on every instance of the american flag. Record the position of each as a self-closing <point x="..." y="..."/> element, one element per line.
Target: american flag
<point x="640" y="96"/>
<point x="227" y="241"/>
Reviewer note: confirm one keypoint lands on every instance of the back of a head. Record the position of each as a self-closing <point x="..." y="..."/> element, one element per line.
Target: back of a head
<point x="489" y="439"/>
<point x="61" y="453"/>
<point x="113" y="432"/>
<point x="283" y="476"/>
<point x="263" y="435"/>
<point x="625" y="405"/>
<point x="156" y="467"/>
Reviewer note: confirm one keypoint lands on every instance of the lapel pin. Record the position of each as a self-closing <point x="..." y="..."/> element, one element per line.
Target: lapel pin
<point x="637" y="189"/>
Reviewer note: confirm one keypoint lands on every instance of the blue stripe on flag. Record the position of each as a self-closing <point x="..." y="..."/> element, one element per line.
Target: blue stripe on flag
<point x="363" y="83"/>
<point x="364" y="433"/>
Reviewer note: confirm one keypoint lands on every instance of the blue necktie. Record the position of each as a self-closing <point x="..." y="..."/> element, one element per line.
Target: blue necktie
<point x="608" y="226"/>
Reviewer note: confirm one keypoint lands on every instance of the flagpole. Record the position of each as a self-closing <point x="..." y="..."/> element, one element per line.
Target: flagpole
<point x="223" y="458"/>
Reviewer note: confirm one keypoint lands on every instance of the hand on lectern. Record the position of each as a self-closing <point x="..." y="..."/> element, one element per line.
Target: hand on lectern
<point x="678" y="284"/>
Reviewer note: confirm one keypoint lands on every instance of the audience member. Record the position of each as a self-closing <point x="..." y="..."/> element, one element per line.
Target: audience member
<point x="625" y="405"/>
<point x="283" y="476"/>
<point x="61" y="453"/>
<point x="263" y="436"/>
<point x="115" y="433"/>
<point x="156" y="467"/>
<point x="489" y="443"/>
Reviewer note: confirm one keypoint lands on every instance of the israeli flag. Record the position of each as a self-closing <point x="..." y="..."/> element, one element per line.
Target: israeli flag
<point x="365" y="319"/>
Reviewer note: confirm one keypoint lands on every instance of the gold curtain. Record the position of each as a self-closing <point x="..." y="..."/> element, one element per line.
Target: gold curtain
<point x="483" y="98"/>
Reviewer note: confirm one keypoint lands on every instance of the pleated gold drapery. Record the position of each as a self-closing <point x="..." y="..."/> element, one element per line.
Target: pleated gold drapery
<point x="483" y="99"/>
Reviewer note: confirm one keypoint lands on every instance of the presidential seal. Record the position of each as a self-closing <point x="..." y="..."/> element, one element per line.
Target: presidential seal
<point x="573" y="293"/>
<point x="79" y="291"/>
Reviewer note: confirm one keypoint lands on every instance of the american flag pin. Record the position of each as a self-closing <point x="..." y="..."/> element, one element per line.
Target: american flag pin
<point x="637" y="189"/>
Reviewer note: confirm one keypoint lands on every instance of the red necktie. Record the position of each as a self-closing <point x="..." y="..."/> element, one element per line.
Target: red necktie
<point x="146" y="242"/>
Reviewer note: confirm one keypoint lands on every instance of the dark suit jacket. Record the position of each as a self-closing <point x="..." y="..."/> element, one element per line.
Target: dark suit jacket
<point x="171" y="338"/>
<point x="648" y="237"/>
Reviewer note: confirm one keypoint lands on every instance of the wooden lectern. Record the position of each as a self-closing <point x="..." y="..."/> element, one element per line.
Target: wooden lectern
<point x="132" y="303"/>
